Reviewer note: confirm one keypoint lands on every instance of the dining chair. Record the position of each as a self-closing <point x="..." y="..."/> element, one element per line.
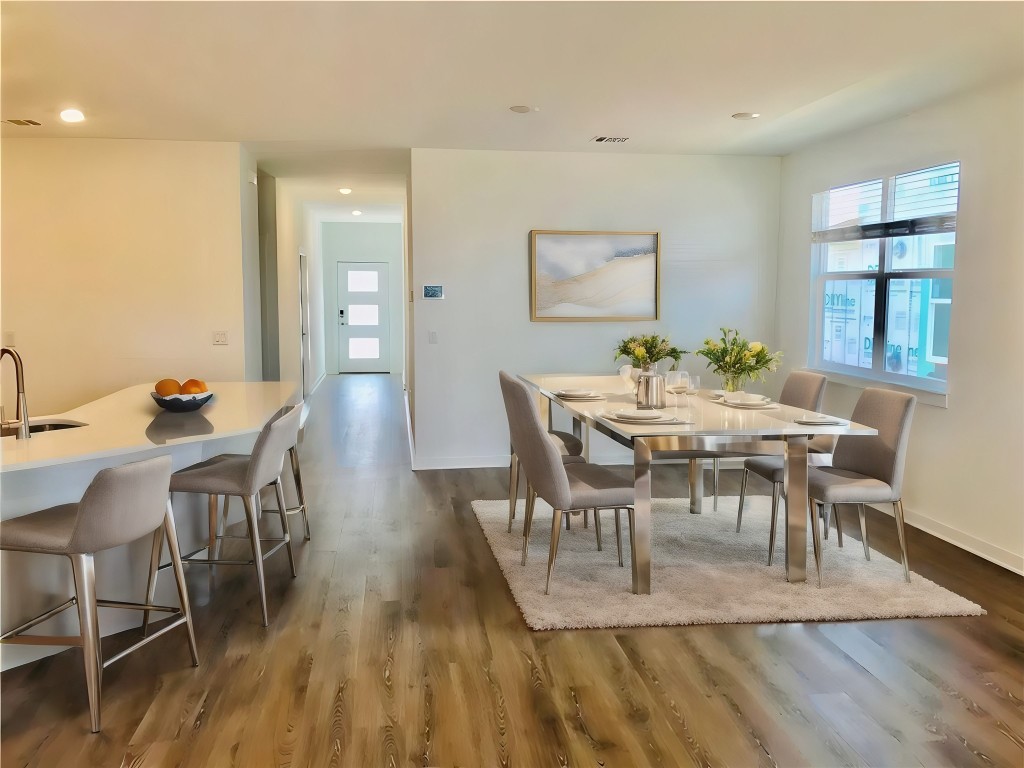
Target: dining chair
<point x="868" y="469"/>
<point x="121" y="504"/>
<point x="570" y="448"/>
<point x="241" y="475"/>
<point x="804" y="390"/>
<point x="567" y="487"/>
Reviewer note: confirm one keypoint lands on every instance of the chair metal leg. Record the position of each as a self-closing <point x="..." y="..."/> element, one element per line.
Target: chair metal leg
<point x="285" y="525"/>
<point x="864" y="531"/>
<point x="556" y="530"/>
<point x="714" y="471"/>
<point x="618" y="533"/>
<point x="567" y="518"/>
<point x="84" y="571"/>
<point x="897" y="508"/>
<point x="586" y="518"/>
<point x="839" y="524"/>
<point x="597" y="528"/>
<point x="776" y="493"/>
<point x="513" y="488"/>
<point x="816" y="537"/>
<point x="154" y="565"/>
<point x="297" y="475"/>
<point x="250" y="502"/>
<point x="213" y="526"/>
<point x="179" y="579"/>
<point x="531" y="500"/>
<point x="826" y="516"/>
<point x="743" y="495"/>
<point x="631" y="518"/>
<point x="224" y="520"/>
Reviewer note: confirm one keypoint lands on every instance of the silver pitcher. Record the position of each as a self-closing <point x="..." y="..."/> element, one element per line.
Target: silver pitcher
<point x="650" y="390"/>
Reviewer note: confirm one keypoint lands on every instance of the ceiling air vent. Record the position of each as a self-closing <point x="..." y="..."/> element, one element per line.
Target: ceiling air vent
<point x="23" y="122"/>
<point x="610" y="139"/>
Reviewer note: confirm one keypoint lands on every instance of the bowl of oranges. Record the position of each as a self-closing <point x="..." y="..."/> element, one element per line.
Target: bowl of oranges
<point x="177" y="397"/>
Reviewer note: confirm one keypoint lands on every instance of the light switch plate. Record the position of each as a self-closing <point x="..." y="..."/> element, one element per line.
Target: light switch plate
<point x="8" y="338"/>
<point x="220" y="338"/>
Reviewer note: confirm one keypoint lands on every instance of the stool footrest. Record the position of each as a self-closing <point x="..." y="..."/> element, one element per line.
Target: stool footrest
<point x="191" y="558"/>
<point x="288" y="510"/>
<point x="163" y="630"/>
<point x="38" y="620"/>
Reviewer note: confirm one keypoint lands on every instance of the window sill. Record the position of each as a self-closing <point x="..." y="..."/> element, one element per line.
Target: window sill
<point x="924" y="396"/>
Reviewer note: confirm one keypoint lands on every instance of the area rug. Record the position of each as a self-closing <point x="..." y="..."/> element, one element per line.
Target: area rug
<point x="702" y="572"/>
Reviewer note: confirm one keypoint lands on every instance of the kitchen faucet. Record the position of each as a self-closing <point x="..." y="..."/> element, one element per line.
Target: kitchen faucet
<point x="21" y="415"/>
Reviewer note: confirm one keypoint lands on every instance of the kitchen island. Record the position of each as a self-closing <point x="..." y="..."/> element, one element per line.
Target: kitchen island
<point x="55" y="467"/>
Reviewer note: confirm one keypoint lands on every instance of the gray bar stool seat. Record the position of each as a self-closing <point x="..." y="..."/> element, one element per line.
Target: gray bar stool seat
<point x="293" y="458"/>
<point x="121" y="505"/>
<point x="230" y="475"/>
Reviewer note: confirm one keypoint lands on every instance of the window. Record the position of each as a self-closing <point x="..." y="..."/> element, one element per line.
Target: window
<point x="882" y="275"/>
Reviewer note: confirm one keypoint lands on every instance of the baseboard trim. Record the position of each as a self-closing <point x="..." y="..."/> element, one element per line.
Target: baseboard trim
<point x="459" y="462"/>
<point x="983" y="549"/>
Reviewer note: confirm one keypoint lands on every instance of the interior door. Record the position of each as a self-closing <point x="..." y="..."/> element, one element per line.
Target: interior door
<point x="363" y="333"/>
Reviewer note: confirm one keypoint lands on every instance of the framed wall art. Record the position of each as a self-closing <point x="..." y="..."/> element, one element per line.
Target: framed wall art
<point x="594" y="276"/>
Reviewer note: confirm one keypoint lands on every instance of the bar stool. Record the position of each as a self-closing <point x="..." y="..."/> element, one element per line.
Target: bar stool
<point x="293" y="457"/>
<point x="120" y="505"/>
<point x="240" y="475"/>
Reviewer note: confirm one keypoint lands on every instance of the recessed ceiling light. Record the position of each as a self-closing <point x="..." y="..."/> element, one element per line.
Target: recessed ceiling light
<point x="746" y="115"/>
<point x="345" y="191"/>
<point x="72" y="116"/>
<point x="521" y="109"/>
<point x="357" y="213"/>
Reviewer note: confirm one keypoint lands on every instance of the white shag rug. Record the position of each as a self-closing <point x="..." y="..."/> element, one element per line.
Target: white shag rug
<point x="702" y="572"/>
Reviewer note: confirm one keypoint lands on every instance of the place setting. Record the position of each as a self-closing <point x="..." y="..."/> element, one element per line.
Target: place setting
<point x="578" y="394"/>
<point x="642" y="417"/>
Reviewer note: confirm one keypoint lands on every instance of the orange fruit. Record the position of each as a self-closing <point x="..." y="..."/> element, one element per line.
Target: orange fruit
<point x="193" y="387"/>
<point x="166" y="387"/>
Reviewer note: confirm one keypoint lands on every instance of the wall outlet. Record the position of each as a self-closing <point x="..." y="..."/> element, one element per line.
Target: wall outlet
<point x="432" y="337"/>
<point x="220" y="338"/>
<point x="8" y="338"/>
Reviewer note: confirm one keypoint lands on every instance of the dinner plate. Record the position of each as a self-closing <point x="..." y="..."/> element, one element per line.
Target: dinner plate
<point x="638" y="415"/>
<point x="592" y="396"/>
<point x="767" y="406"/>
<point x="812" y="422"/>
<point x="661" y="420"/>
<point x="574" y="392"/>
<point x="680" y="391"/>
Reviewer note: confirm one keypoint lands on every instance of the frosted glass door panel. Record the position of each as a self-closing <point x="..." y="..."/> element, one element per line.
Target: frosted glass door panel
<point x="363" y="333"/>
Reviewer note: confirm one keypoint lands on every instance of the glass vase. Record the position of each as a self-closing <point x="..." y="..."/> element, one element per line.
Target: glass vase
<point x="732" y="382"/>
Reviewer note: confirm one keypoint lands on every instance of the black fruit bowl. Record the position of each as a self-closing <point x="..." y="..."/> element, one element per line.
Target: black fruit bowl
<point x="182" y="403"/>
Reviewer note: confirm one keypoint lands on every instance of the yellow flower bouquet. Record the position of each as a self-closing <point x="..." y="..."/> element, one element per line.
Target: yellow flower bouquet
<point x="735" y="359"/>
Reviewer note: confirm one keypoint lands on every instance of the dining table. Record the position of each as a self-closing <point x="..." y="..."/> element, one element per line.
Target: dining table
<point x="693" y="421"/>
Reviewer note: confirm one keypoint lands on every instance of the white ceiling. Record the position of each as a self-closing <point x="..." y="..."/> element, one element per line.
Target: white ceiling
<point x="305" y="84"/>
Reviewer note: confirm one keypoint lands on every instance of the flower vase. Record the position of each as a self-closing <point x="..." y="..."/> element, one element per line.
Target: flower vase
<point x="732" y="382"/>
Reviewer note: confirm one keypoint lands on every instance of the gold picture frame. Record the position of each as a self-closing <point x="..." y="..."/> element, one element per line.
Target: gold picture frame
<point x="575" y="276"/>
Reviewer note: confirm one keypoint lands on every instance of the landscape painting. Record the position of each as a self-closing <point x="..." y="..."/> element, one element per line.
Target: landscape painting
<point x="595" y="276"/>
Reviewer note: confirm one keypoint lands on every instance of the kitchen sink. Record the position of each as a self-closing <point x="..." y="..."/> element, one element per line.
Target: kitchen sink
<point x="47" y="426"/>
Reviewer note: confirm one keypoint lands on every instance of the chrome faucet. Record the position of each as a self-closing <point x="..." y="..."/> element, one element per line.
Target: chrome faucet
<point x="21" y="415"/>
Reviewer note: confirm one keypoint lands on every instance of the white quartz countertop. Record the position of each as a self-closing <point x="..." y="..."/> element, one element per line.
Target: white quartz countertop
<point x="129" y="421"/>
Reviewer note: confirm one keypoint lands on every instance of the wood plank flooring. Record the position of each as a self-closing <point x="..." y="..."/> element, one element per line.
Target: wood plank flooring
<point x="399" y="645"/>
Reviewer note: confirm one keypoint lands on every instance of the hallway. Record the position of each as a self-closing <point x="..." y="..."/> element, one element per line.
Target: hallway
<point x="399" y="644"/>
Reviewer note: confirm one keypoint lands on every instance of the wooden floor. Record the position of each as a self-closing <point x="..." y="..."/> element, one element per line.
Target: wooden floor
<point x="399" y="644"/>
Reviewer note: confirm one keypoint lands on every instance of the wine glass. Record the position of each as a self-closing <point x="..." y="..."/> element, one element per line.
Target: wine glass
<point x="694" y="384"/>
<point x="677" y="383"/>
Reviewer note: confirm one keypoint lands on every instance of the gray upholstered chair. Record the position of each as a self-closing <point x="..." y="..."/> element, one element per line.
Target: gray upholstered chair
<point x="121" y="505"/>
<point x="240" y="475"/>
<point x="575" y="486"/>
<point x="293" y="458"/>
<point x="869" y="469"/>
<point x="569" y="447"/>
<point x="805" y="390"/>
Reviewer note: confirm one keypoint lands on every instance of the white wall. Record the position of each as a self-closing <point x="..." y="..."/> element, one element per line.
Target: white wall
<point x="472" y="215"/>
<point x="120" y="260"/>
<point x="964" y="468"/>
<point x="295" y="234"/>
<point x="376" y="242"/>
<point x="249" y="200"/>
